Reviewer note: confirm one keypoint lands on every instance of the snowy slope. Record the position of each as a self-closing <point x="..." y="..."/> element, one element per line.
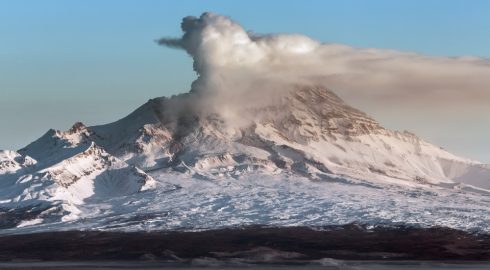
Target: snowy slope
<point x="11" y="162"/>
<point x="68" y="172"/>
<point x="306" y="159"/>
<point x="309" y="132"/>
<point x="191" y="203"/>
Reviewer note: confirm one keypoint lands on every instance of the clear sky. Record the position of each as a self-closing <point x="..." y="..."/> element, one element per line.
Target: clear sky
<point x="95" y="60"/>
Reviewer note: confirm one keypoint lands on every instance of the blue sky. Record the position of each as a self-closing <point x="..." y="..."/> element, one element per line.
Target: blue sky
<point x="94" y="61"/>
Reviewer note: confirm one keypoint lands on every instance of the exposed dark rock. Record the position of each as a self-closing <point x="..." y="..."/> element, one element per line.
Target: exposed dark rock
<point x="285" y="244"/>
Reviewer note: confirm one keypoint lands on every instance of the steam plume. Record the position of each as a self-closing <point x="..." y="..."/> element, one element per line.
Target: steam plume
<point x="236" y="68"/>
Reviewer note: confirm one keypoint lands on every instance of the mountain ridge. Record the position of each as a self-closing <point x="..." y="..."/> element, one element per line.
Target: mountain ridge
<point x="307" y="133"/>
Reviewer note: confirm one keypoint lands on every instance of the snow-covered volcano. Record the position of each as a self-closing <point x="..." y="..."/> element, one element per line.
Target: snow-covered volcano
<point x="257" y="140"/>
<point x="306" y="159"/>
<point x="309" y="132"/>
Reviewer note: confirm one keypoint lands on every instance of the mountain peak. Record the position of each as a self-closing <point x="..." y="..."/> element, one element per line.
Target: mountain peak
<point x="306" y="132"/>
<point x="77" y="127"/>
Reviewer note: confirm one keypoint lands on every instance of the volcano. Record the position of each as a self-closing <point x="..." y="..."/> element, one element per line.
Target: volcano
<point x="307" y="159"/>
<point x="260" y="139"/>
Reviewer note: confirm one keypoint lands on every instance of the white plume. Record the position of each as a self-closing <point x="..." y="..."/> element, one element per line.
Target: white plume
<point x="237" y="68"/>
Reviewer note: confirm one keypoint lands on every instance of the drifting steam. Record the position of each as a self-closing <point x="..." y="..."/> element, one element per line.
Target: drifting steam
<point x="237" y="68"/>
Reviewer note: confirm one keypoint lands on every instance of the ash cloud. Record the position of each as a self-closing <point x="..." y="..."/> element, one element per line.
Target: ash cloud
<point x="237" y="68"/>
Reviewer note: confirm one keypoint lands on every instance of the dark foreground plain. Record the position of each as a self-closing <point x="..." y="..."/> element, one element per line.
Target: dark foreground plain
<point x="266" y="246"/>
<point x="316" y="265"/>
